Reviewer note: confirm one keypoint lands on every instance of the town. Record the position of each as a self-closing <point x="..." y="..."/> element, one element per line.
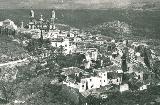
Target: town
<point x="92" y="64"/>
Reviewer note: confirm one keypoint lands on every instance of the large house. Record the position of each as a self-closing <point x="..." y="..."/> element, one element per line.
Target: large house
<point x="83" y="81"/>
<point x="65" y="44"/>
<point x="7" y="27"/>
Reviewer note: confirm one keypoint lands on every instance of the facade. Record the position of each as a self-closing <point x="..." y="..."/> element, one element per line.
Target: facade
<point x="8" y="27"/>
<point x="41" y="23"/>
<point x="77" y="39"/>
<point x="124" y="87"/>
<point x="89" y="81"/>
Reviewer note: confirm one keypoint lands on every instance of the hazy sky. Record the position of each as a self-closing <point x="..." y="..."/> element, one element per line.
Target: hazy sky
<point x="67" y="4"/>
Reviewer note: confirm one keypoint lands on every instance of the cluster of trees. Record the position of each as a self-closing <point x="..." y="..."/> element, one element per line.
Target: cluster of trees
<point x="74" y="60"/>
<point x="128" y="98"/>
<point x="113" y="29"/>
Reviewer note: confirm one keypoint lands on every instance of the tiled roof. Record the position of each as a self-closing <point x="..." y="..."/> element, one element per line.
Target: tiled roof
<point x="71" y="70"/>
<point x="111" y="68"/>
<point x="57" y="40"/>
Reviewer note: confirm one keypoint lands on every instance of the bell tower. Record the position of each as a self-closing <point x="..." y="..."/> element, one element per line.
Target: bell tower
<point x="52" y="24"/>
<point x="31" y="22"/>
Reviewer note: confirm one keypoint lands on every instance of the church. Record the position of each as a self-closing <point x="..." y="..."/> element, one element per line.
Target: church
<point x="41" y="24"/>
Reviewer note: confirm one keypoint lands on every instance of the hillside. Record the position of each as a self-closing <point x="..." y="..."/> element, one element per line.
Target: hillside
<point x="10" y="49"/>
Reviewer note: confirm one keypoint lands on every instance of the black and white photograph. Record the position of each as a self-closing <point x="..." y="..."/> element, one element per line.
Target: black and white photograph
<point x="79" y="52"/>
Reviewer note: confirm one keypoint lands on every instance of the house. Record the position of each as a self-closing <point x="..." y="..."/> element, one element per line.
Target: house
<point x="124" y="87"/>
<point x="92" y="53"/>
<point x="64" y="43"/>
<point x="99" y="42"/>
<point x="75" y="31"/>
<point x="114" y="78"/>
<point x="77" y="39"/>
<point x="71" y="35"/>
<point x="72" y="70"/>
<point x="141" y="72"/>
<point x="73" y="76"/>
<point x="143" y="87"/>
<point x="57" y="42"/>
<point x="140" y="85"/>
<point x="53" y="34"/>
<point x="110" y="75"/>
<point x="9" y="24"/>
<point x="8" y="27"/>
<point x="88" y="83"/>
<point x="83" y="81"/>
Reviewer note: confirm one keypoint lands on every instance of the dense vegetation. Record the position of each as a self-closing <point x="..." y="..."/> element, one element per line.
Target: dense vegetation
<point x="148" y="97"/>
<point x="10" y="49"/>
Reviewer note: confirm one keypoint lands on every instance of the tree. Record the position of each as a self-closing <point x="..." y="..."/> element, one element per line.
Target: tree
<point x="146" y="58"/>
<point x="156" y="69"/>
<point x="124" y="63"/>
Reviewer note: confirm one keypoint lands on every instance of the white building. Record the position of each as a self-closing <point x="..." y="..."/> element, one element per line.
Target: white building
<point x="89" y="83"/>
<point x="143" y="87"/>
<point x="124" y="87"/>
<point x="9" y="24"/>
<point x="77" y="39"/>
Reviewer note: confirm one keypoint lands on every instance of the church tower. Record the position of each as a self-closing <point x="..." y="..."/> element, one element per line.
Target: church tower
<point x="31" y="22"/>
<point x="52" y="24"/>
<point x="22" y="25"/>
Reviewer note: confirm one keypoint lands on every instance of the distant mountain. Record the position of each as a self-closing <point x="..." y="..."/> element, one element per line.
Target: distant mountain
<point x="146" y="5"/>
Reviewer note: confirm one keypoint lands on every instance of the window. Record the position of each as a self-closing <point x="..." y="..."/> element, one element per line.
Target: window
<point x="139" y="77"/>
<point x="82" y="85"/>
<point x="92" y="86"/>
<point x="90" y="79"/>
<point x="117" y="80"/>
<point x="110" y="81"/>
<point x="104" y="81"/>
<point x="104" y="74"/>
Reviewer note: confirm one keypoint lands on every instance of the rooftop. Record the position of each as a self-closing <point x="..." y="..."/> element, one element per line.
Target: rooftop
<point x="109" y="68"/>
<point x="71" y="70"/>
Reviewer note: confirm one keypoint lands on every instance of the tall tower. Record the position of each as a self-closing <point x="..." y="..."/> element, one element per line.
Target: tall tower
<point x="32" y="14"/>
<point x="31" y="22"/>
<point x="41" y="18"/>
<point x="52" y="25"/>
<point x="22" y="24"/>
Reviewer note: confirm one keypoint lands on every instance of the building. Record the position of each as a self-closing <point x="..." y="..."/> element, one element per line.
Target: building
<point x="88" y="83"/>
<point x="83" y="81"/>
<point x="42" y="24"/>
<point x="77" y="39"/>
<point x="99" y="42"/>
<point x="92" y="53"/>
<point x="124" y="87"/>
<point x="8" y="27"/>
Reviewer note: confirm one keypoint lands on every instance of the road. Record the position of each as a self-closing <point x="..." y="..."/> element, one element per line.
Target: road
<point x="14" y="63"/>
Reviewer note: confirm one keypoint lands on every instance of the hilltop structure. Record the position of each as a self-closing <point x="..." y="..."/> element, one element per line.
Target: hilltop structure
<point x="7" y="27"/>
<point x="41" y="23"/>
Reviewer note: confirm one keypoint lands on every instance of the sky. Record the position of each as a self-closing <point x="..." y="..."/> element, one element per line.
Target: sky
<point x="68" y="4"/>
